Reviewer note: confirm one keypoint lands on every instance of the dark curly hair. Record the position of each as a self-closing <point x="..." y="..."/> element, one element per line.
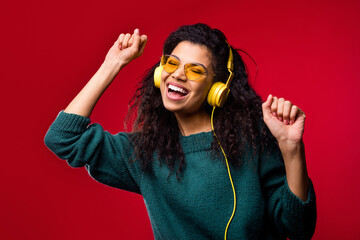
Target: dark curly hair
<point x="237" y="124"/>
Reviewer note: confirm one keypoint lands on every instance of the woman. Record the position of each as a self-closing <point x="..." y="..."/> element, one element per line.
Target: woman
<point x="175" y="160"/>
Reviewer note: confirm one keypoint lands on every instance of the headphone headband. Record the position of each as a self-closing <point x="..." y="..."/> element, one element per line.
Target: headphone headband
<point x="219" y="91"/>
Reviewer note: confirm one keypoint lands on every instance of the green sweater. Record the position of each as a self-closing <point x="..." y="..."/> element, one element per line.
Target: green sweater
<point x="200" y="204"/>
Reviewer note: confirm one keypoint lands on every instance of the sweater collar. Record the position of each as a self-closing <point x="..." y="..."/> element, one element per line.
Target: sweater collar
<point x="196" y="142"/>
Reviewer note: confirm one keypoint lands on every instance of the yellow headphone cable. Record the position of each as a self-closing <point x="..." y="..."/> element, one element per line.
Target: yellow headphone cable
<point x="228" y="169"/>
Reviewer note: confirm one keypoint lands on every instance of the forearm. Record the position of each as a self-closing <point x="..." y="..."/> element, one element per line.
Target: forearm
<point x="296" y="170"/>
<point x="85" y="101"/>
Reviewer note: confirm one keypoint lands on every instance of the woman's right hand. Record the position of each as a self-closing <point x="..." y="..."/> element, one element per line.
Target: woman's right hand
<point x="126" y="48"/>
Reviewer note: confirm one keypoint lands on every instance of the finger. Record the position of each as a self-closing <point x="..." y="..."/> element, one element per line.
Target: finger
<point x="266" y="105"/>
<point x="120" y="40"/>
<point x="280" y="108"/>
<point x="266" y="108"/>
<point x="274" y="106"/>
<point x="131" y="40"/>
<point x="143" y="40"/>
<point x="293" y="113"/>
<point x="136" y="39"/>
<point x="287" y="111"/>
<point x="125" y="43"/>
<point x="268" y="101"/>
<point x="300" y="113"/>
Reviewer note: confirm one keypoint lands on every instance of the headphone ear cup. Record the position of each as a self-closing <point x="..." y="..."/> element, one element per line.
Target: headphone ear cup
<point x="218" y="94"/>
<point x="157" y="76"/>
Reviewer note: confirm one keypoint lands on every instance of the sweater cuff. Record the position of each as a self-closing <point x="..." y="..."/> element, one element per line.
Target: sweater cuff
<point x="295" y="206"/>
<point x="70" y="122"/>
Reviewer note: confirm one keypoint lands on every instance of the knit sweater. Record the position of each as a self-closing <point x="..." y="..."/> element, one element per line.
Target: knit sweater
<point x="197" y="206"/>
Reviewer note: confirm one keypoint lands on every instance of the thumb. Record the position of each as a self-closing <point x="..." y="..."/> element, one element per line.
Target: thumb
<point x="267" y="104"/>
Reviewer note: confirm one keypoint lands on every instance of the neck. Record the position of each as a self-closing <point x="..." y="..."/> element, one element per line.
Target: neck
<point x="192" y="124"/>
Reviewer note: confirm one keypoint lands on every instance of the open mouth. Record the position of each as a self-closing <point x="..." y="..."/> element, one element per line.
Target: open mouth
<point x="176" y="91"/>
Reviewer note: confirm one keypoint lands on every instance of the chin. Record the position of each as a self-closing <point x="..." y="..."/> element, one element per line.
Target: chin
<point x="182" y="110"/>
<point x="172" y="107"/>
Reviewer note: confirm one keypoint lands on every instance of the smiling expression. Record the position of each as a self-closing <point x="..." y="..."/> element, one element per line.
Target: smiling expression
<point x="183" y="96"/>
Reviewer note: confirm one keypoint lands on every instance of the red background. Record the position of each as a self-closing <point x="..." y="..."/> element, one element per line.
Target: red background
<point x="307" y="52"/>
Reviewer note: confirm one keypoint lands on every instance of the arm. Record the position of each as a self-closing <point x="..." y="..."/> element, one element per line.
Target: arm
<point x="105" y="156"/>
<point x="70" y="137"/>
<point x="295" y="166"/>
<point x="288" y="215"/>
<point x="125" y="49"/>
<point x="290" y="194"/>
<point x="286" y="123"/>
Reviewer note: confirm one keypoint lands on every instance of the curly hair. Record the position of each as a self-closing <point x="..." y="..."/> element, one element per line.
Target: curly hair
<point x="238" y="124"/>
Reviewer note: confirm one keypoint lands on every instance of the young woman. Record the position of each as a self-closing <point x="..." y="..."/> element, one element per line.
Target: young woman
<point x="238" y="172"/>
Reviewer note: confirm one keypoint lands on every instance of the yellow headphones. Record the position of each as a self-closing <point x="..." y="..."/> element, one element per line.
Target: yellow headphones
<point x="219" y="91"/>
<point x="157" y="75"/>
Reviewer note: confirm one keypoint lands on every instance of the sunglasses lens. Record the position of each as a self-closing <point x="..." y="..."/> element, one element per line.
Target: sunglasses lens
<point x="170" y="64"/>
<point x="194" y="71"/>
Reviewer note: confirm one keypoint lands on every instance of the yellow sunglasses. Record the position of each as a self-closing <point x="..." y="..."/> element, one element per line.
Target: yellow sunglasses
<point x="193" y="71"/>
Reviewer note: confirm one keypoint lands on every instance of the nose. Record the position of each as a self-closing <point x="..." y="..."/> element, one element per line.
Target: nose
<point x="179" y="74"/>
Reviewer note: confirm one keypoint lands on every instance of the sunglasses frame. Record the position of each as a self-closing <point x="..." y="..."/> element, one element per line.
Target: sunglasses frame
<point x="199" y="64"/>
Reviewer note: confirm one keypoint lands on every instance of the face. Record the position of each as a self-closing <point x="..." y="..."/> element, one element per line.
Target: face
<point x="179" y="94"/>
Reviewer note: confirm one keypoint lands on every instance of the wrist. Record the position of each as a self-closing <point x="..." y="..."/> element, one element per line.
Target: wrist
<point x="291" y="149"/>
<point x="112" y="66"/>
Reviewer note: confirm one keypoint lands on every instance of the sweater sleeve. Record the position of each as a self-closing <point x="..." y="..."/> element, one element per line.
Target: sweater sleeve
<point x="105" y="156"/>
<point x="292" y="217"/>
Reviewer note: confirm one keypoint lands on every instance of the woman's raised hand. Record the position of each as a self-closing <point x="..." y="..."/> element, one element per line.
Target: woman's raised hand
<point x="284" y="120"/>
<point x="126" y="48"/>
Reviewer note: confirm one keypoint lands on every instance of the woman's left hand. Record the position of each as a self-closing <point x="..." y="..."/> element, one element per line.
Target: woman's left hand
<point x="286" y="123"/>
<point x="284" y="120"/>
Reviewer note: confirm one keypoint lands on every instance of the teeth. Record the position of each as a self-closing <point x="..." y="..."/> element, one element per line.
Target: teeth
<point x="174" y="88"/>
